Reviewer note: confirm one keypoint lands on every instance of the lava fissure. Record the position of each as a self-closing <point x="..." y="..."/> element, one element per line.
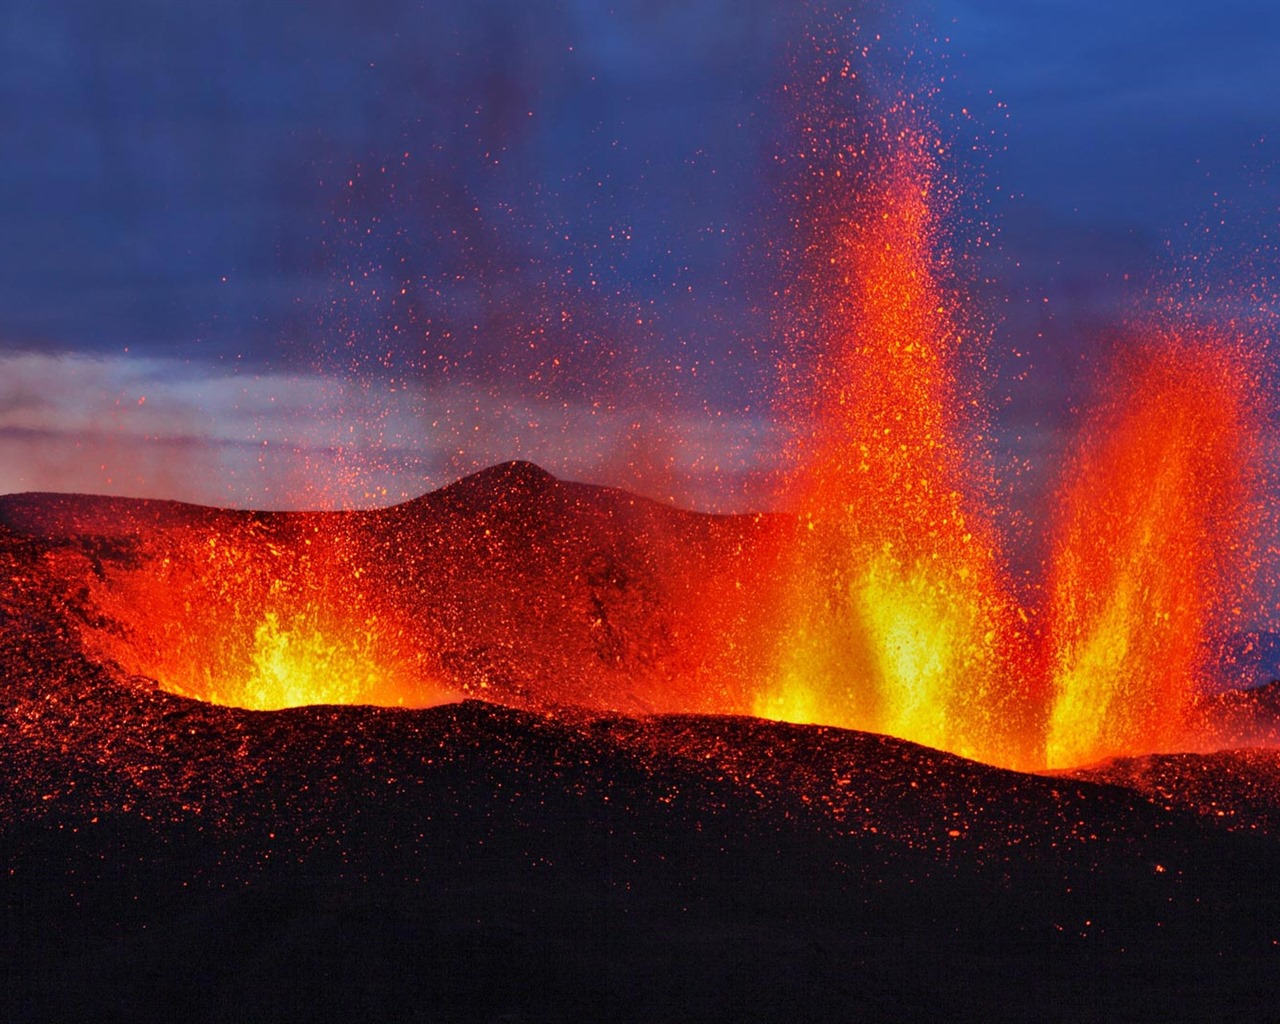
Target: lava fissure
<point x="881" y="601"/>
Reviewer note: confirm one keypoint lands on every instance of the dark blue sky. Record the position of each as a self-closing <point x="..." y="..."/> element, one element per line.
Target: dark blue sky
<point x="577" y="200"/>
<point x="1135" y="130"/>
<point x="501" y="157"/>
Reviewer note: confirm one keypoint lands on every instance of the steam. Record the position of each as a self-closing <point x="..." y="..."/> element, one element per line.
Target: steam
<point x="152" y="427"/>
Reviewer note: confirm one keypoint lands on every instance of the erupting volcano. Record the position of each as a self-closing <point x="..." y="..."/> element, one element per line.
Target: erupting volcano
<point x="895" y="614"/>
<point x="528" y="749"/>
<point x="879" y="601"/>
<point x="897" y="611"/>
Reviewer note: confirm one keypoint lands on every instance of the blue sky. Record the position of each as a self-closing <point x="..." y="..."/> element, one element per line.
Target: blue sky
<point x="210" y="211"/>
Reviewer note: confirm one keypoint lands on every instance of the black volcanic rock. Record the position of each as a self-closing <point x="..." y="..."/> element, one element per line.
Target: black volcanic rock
<point x="1237" y="790"/>
<point x="52" y="515"/>
<point x="474" y="861"/>
<point x="1248" y="716"/>
<point x="510" y="481"/>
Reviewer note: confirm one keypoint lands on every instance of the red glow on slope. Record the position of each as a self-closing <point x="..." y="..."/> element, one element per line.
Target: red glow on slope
<point x="244" y="617"/>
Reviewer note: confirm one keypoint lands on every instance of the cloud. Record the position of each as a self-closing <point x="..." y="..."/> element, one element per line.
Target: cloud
<point x="154" y="427"/>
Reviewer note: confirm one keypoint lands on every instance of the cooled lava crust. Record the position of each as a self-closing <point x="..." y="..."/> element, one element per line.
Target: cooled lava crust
<point x="169" y="859"/>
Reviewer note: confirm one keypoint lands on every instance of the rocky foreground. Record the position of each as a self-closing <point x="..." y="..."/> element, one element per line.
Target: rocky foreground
<point x="162" y="858"/>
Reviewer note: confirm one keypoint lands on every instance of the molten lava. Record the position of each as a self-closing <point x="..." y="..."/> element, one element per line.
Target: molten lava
<point x="889" y="608"/>
<point x="880" y="603"/>
<point x="1147" y="558"/>
<point x="893" y="607"/>
<point x="246" y="618"/>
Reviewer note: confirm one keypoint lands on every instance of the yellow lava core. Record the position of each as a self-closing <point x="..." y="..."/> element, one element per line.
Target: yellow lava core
<point x="1147" y="550"/>
<point x="295" y="662"/>
<point x="889" y="606"/>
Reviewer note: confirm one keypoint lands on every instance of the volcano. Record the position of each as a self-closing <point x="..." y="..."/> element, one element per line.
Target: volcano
<point x="524" y="749"/>
<point x="515" y="795"/>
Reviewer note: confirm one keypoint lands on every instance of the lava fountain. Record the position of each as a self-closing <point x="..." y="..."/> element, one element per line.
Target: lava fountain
<point x="890" y="607"/>
<point x="255" y="615"/>
<point x="1150" y="553"/>
<point x="882" y="602"/>
<point x="894" y="610"/>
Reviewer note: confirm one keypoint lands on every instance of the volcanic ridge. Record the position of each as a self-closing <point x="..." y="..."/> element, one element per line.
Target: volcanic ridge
<point x="548" y="818"/>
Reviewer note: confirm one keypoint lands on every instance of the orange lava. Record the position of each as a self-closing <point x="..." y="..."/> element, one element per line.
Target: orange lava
<point x="893" y="611"/>
<point x="889" y="607"/>
<point x="882" y="603"/>
<point x="1149" y="556"/>
<point x="239" y="616"/>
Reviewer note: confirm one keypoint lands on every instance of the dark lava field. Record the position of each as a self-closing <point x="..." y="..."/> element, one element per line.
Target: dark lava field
<point x="529" y="859"/>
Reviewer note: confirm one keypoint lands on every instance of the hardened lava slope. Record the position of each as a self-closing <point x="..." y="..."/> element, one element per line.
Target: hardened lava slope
<point x="166" y="858"/>
<point x="508" y="585"/>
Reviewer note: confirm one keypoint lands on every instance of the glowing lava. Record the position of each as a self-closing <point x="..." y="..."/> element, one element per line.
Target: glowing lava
<point x="894" y="613"/>
<point x="882" y="603"/>
<point x="888" y="608"/>
<point x="245" y="618"/>
<point x="1148" y="552"/>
